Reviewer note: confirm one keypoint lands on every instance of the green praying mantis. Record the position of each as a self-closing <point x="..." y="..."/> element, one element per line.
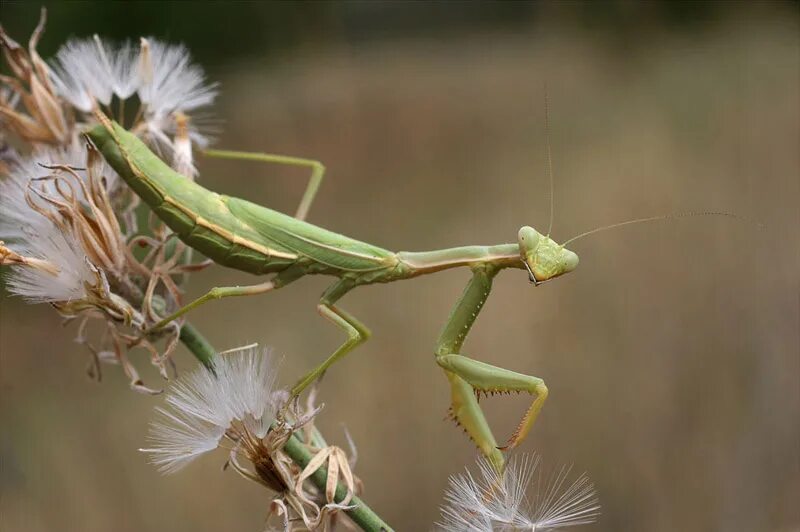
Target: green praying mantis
<point x="239" y="234"/>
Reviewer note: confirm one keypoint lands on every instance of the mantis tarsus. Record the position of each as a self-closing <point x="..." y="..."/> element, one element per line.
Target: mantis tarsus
<point x="239" y="234"/>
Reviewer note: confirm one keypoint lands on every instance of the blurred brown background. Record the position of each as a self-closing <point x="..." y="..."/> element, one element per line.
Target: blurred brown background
<point x="672" y="353"/>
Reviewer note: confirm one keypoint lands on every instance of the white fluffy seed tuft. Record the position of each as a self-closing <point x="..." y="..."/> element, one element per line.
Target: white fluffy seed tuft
<point x="81" y="75"/>
<point x="90" y="72"/>
<point x="204" y="405"/>
<point x="74" y="272"/>
<point x="513" y="500"/>
<point x="29" y="233"/>
<point x="120" y="64"/>
<point x="170" y="85"/>
<point x="169" y="81"/>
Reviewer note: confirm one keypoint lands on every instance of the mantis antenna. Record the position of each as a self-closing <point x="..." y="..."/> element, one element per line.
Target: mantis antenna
<point x="549" y="157"/>
<point x="672" y="216"/>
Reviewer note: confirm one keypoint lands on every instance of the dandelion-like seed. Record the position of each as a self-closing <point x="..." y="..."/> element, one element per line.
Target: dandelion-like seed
<point x="517" y="499"/>
<point x="91" y="72"/>
<point x="81" y="74"/>
<point x="234" y="406"/>
<point x="171" y="88"/>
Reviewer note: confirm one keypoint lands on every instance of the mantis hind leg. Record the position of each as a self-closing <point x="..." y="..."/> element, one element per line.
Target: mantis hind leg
<point x="468" y="377"/>
<point x="317" y="172"/>
<point x="357" y="332"/>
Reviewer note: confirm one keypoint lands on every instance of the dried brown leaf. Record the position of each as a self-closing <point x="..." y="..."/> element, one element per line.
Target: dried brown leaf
<point x="24" y="126"/>
<point x="49" y="109"/>
<point x="15" y="55"/>
<point x="39" y="66"/>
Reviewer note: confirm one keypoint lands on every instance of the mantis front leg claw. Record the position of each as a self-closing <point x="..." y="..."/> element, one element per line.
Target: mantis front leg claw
<point x="470" y="377"/>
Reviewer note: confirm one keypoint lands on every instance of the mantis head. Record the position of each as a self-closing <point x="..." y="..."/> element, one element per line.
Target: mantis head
<point x="543" y="257"/>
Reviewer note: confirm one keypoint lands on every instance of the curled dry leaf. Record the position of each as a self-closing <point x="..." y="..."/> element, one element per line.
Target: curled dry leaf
<point x="47" y="119"/>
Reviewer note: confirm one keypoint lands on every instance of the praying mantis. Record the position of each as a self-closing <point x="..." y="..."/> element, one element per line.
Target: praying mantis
<point x="239" y="234"/>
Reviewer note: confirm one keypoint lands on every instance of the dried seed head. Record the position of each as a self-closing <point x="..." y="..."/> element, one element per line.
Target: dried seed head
<point x="67" y="223"/>
<point x="234" y="406"/>
<point x="88" y="73"/>
<point x="514" y="500"/>
<point x="52" y="270"/>
<point x="65" y="246"/>
<point x="169" y="82"/>
<point x="233" y="402"/>
<point x="46" y="235"/>
<point x="120" y="64"/>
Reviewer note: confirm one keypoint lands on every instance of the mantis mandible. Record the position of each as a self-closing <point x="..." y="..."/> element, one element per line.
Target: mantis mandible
<point x="239" y="234"/>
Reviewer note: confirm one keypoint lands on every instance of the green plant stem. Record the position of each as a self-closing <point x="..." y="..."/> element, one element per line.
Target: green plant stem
<point x="362" y="514"/>
<point x="197" y="344"/>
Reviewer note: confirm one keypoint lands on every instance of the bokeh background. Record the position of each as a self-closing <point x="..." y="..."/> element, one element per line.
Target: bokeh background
<point x="672" y="353"/>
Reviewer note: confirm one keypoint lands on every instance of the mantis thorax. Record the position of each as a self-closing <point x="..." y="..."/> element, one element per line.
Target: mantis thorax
<point x="544" y="258"/>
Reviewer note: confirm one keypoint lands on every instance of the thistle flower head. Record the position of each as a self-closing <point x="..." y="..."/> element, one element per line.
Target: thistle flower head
<point x="68" y="228"/>
<point x="37" y="164"/>
<point x="234" y="406"/>
<point x="30" y="233"/>
<point x="86" y="73"/>
<point x="515" y="500"/>
<point x="171" y="86"/>
<point x="65" y="225"/>
<point x="235" y="401"/>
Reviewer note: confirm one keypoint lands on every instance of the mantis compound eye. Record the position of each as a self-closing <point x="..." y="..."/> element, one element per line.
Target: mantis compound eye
<point x="528" y="239"/>
<point x="569" y="260"/>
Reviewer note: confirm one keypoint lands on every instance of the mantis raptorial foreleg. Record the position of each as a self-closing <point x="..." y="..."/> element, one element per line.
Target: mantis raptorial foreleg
<point x="357" y="332"/>
<point x="469" y="377"/>
<point x="317" y="172"/>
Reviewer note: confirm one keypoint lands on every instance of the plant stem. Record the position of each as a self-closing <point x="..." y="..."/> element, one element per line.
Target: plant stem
<point x="197" y="344"/>
<point x="362" y="514"/>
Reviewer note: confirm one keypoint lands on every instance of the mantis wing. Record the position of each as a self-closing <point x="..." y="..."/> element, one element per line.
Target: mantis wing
<point x="323" y="246"/>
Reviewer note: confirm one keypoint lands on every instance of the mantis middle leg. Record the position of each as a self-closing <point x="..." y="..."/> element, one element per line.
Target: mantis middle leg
<point x="357" y="332"/>
<point x="469" y="377"/>
<point x="218" y="292"/>
<point x="317" y="172"/>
